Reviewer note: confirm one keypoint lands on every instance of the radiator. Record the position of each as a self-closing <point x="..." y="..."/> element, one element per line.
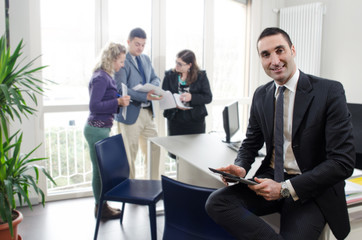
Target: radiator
<point x="304" y="25"/>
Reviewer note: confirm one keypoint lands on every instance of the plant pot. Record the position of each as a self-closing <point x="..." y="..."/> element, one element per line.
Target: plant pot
<point x="5" y="232"/>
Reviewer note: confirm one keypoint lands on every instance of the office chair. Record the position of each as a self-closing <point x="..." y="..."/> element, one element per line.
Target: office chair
<point x="185" y="215"/>
<point x="116" y="185"/>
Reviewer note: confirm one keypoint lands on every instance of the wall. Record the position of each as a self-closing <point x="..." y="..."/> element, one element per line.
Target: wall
<point x="340" y="44"/>
<point x="24" y="24"/>
<point x="341" y="38"/>
<point x="2" y="17"/>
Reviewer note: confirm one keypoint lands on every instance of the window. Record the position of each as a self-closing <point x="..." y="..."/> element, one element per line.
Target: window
<point x="229" y="49"/>
<point x="68" y="152"/>
<point x="68" y="47"/>
<point x="229" y="79"/>
<point x="218" y="38"/>
<point x="123" y="16"/>
<point x="72" y="35"/>
<point x="183" y="31"/>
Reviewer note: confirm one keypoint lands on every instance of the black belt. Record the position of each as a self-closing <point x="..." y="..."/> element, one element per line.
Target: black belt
<point x="148" y="107"/>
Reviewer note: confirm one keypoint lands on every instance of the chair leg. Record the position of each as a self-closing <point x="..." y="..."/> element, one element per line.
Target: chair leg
<point x="152" y="213"/>
<point x="99" y="216"/>
<point x="122" y="212"/>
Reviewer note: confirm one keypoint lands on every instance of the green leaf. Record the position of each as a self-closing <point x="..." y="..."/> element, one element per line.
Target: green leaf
<point x="13" y="78"/>
<point x="19" y="84"/>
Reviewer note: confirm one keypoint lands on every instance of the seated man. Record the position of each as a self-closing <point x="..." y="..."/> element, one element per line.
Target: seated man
<point x="310" y="153"/>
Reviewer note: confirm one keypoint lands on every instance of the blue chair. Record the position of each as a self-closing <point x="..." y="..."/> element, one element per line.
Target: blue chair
<point x="116" y="185"/>
<point x="185" y="215"/>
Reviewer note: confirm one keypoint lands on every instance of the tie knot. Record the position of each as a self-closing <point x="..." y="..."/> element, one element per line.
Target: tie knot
<point x="280" y="92"/>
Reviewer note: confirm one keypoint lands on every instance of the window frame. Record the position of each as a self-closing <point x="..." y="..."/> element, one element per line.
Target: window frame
<point x="158" y="50"/>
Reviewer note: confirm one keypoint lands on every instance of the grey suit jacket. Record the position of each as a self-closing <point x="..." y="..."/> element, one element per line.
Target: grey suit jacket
<point x="130" y="76"/>
<point x="322" y="143"/>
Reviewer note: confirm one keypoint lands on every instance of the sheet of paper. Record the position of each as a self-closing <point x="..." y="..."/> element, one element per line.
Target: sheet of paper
<point x="124" y="93"/>
<point x="356" y="173"/>
<point x="352" y="188"/>
<point x="170" y="100"/>
<point x="148" y="87"/>
<point x="179" y="102"/>
<point x="167" y="101"/>
<point x="353" y="192"/>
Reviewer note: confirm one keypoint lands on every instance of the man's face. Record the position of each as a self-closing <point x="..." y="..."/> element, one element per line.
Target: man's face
<point x="277" y="58"/>
<point x="136" y="46"/>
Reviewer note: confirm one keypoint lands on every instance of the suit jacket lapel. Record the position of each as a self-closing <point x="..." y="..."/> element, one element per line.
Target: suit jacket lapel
<point x="130" y="59"/>
<point x="269" y="109"/>
<point x="303" y="99"/>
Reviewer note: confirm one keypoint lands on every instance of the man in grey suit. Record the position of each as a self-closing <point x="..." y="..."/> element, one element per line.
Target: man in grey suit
<point x="317" y="154"/>
<point x="138" y="125"/>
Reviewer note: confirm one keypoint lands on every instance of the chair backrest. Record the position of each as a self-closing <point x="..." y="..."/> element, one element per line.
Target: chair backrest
<point x="112" y="161"/>
<point x="185" y="215"/>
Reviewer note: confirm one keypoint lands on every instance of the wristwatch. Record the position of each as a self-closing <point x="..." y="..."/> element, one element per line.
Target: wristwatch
<point x="284" y="192"/>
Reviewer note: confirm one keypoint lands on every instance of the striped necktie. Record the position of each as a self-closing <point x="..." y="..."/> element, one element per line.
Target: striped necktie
<point x="279" y="137"/>
<point x="140" y="68"/>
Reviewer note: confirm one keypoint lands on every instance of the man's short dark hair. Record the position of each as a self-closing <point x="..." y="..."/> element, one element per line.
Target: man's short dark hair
<point x="274" y="31"/>
<point x="137" y="32"/>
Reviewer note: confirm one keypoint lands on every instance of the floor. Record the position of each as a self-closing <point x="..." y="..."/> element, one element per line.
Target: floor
<point x="74" y="219"/>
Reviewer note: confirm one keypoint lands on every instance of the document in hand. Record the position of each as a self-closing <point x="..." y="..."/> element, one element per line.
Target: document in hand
<point x="148" y="87"/>
<point x="124" y="93"/>
<point x="168" y="100"/>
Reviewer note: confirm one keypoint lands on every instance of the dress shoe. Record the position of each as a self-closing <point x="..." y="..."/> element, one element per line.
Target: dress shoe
<point x="108" y="212"/>
<point x="112" y="209"/>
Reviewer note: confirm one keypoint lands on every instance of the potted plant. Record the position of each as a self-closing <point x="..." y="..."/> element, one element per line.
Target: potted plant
<point x="16" y="179"/>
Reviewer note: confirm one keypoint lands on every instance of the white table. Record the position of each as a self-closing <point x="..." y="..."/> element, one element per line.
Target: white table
<point x="195" y="154"/>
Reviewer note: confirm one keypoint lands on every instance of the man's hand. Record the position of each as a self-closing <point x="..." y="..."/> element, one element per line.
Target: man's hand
<point x="234" y="170"/>
<point x="151" y="96"/>
<point x="268" y="188"/>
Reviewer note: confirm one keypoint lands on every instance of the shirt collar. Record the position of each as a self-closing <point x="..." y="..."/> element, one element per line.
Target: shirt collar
<point x="291" y="84"/>
<point x="133" y="57"/>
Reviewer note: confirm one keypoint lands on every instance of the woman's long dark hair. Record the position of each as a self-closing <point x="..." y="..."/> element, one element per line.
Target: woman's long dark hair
<point x="189" y="57"/>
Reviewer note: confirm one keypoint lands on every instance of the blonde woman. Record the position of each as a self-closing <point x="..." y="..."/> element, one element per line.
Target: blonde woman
<point x="104" y="102"/>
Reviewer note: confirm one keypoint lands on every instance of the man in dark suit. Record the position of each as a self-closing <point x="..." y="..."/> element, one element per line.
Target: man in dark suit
<point x="317" y="154"/>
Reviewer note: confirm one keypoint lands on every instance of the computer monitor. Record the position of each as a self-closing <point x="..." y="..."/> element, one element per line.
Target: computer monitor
<point x="230" y="116"/>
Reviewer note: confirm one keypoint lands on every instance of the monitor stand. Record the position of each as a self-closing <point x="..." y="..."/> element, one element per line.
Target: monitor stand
<point x="233" y="145"/>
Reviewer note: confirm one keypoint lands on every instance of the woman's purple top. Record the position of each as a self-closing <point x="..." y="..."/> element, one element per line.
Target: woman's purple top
<point x="103" y="101"/>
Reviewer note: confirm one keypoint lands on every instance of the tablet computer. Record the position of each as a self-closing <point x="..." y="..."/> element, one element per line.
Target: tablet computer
<point x="233" y="178"/>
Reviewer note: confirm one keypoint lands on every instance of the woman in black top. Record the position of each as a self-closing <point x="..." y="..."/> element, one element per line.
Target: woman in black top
<point x="193" y="86"/>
